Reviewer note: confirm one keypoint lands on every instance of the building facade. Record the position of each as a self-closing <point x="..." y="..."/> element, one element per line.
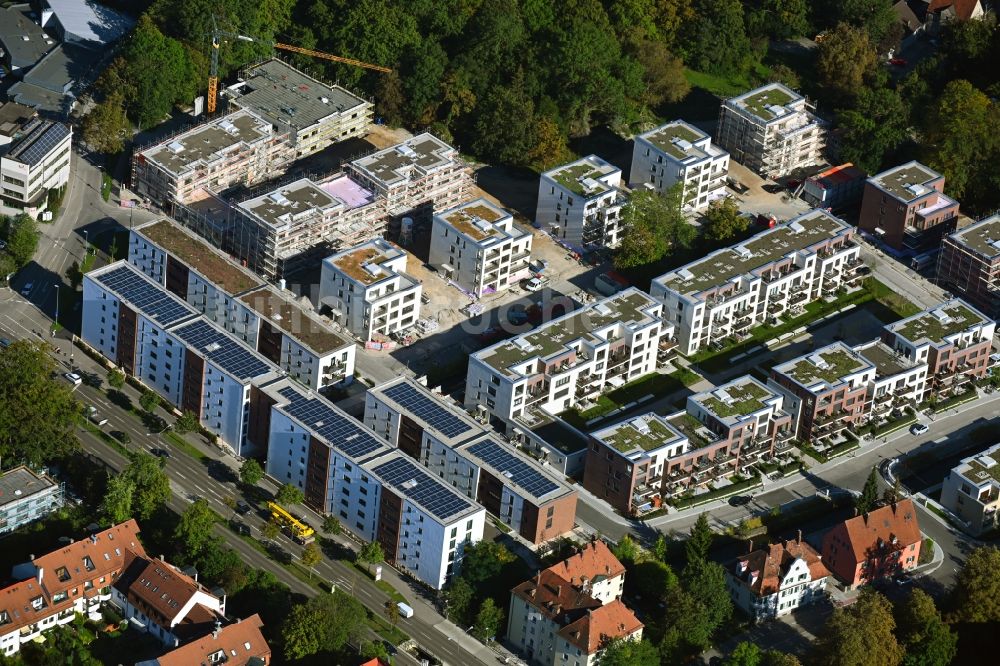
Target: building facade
<point x="774" y="581"/>
<point x="905" y="207"/>
<point x="478" y="246"/>
<point x="834" y="188"/>
<point x="580" y="203"/>
<point x="971" y="491"/>
<point x="778" y="271"/>
<point x="366" y="290"/>
<point x="26" y="496"/>
<point x="240" y="643"/>
<point x="969" y="264"/>
<point x="35" y="161"/>
<point x="680" y="153"/>
<point x="879" y="544"/>
<point x="771" y="130"/>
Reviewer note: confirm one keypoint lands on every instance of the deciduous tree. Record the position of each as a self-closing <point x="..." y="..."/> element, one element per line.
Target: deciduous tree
<point x="716" y="39"/>
<point x="116" y="379"/>
<point x="922" y="633"/>
<point x="653" y="225"/>
<point x="976" y="595"/>
<point x="723" y="219"/>
<point x="459" y="594"/>
<point x="331" y="525"/>
<point x="484" y="560"/>
<point x="186" y="422"/>
<point x="488" y="620"/>
<point x="117" y="504"/>
<point x="859" y="635"/>
<point x="193" y="534"/>
<point x="875" y="126"/>
<point x="22" y="238"/>
<point x="251" y="472"/>
<point x="371" y="553"/>
<point x="626" y="549"/>
<point x="149" y="400"/>
<point x="289" y="495"/>
<point x="323" y="624"/>
<point x="629" y="652"/>
<point x="846" y="58"/>
<point x="270" y="530"/>
<point x="106" y="127"/>
<point x="311" y="556"/>
<point x="152" y="486"/>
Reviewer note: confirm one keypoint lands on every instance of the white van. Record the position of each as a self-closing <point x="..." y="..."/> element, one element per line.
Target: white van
<point x="404" y="610"/>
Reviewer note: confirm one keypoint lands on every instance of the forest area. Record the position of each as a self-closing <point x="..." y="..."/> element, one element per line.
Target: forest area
<point x="514" y="82"/>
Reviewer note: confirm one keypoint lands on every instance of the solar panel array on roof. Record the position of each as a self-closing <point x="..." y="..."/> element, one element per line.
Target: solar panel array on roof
<point x="427" y="409"/>
<point x="39" y="143"/>
<point x="340" y="430"/>
<point x="513" y="468"/>
<point x="415" y="484"/>
<point x="222" y="350"/>
<point x="149" y="299"/>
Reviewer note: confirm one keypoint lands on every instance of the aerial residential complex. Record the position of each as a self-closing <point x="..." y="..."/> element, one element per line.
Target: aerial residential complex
<point x="580" y="203"/>
<point x="26" y="496"/>
<point x="35" y="161"/>
<point x="679" y="152"/>
<point x="313" y="114"/>
<point x="366" y="290"/>
<point x="269" y="320"/>
<point x="971" y="491"/>
<point x="778" y="271"/>
<point x="771" y="130"/>
<point x="905" y="207"/>
<point x="478" y="246"/>
<point x="569" y="360"/>
<point x="969" y="264"/>
<point x="775" y="580"/>
<point x="536" y="505"/>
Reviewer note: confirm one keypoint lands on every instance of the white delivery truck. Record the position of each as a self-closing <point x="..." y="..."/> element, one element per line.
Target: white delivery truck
<point x="404" y="610"/>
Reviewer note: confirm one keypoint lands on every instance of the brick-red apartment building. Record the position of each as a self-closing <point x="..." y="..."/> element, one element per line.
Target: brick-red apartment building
<point x="878" y="544"/>
<point x="969" y="264"/>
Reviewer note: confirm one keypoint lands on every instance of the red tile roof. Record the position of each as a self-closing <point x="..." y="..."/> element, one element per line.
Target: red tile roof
<point x="157" y="586"/>
<point x="763" y="569"/>
<point x="240" y="641"/>
<point x="595" y="561"/>
<point x="590" y="631"/>
<point x="554" y="596"/>
<point x="963" y="8"/>
<point x="894" y="521"/>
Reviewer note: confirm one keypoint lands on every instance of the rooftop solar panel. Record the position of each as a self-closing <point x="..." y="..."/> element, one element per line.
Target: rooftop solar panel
<point x="34" y="147"/>
<point x="222" y="350"/>
<point x="340" y="430"/>
<point x="433" y="413"/>
<point x="150" y="299"/>
<point x="513" y="468"/>
<point x="414" y="483"/>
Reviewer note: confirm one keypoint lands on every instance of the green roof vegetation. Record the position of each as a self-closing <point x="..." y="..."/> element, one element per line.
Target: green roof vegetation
<point x="929" y="326"/>
<point x="757" y="102"/>
<point x="980" y="236"/>
<point x="691" y="428"/>
<point x="664" y="138"/>
<point x="886" y="362"/>
<point x="572" y="175"/>
<point x="839" y="362"/>
<point x="627" y="437"/>
<point x="746" y="398"/>
<point x="976" y="467"/>
<point x="200" y="256"/>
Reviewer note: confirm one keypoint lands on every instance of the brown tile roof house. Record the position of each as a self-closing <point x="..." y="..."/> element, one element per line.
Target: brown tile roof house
<point x="875" y="545"/>
<point x="237" y="644"/>
<point x="590" y="631"/>
<point x="554" y="596"/>
<point x="595" y="561"/>
<point x="767" y="566"/>
<point x="963" y="9"/>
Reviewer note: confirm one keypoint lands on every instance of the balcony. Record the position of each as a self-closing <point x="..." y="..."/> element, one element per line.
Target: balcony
<point x="798" y="297"/>
<point x="775" y="308"/>
<point x="742" y="324"/>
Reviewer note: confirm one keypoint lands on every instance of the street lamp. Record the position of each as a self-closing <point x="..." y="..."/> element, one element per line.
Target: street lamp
<point x="57" y="306"/>
<point x="86" y="242"/>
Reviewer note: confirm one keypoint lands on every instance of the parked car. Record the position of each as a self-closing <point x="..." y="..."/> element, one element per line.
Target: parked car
<point x="918" y="428"/>
<point x="241" y="528"/>
<point x="73" y="378"/>
<point x="739" y="500"/>
<point x="26" y="289"/>
<point x="4" y="342"/>
<point x="535" y="283"/>
<point x="243" y="508"/>
<point x="160" y="453"/>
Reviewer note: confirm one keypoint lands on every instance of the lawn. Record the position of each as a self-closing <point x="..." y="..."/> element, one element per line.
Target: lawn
<point x="727" y="86"/>
<point x="703" y="498"/>
<point x="105" y="186"/>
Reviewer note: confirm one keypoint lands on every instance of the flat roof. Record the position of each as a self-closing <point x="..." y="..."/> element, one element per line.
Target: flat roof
<point x="198" y="255"/>
<point x="757" y="252"/>
<point x="983" y="237"/>
<point x="767" y="102"/>
<point x="363" y="263"/>
<point x="295" y="320"/>
<point x="626" y="307"/>
<point x="677" y="139"/>
<point x="15" y="26"/>
<point x="223" y="350"/>
<point x="422" y="154"/>
<point x="142" y="294"/>
<point x="836" y="175"/>
<point x="399" y="474"/>
<point x="646" y="432"/>
<point x="886" y="360"/>
<point x="21" y="483"/>
<point x="510" y="468"/>
<point x="556" y="433"/>
<point x="206" y="142"/>
<point x="582" y="177"/>
<point x="936" y="324"/>
<point x="740" y="397"/>
<point x="476" y="219"/>
<point x="13" y="116"/>
<point x="445" y="419"/>
<point x="288" y="203"/>
<point x="40" y="139"/>
<point x="982" y="466"/>
<point x="283" y="95"/>
<point x="822" y="369"/>
<point x="697" y="433"/>
<point x="90" y="21"/>
<point x="907" y="181"/>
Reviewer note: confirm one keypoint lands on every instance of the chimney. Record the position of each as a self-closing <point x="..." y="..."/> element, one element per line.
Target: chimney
<point x="41" y="572"/>
<point x="799" y="540"/>
<point x="558" y="590"/>
<point x="749" y="546"/>
<point x="93" y="539"/>
<point x="218" y="628"/>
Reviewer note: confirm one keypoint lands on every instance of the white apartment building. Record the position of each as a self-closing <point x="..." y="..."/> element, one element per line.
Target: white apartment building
<point x="771" y="130"/>
<point x="26" y="496"/>
<point x="35" y="161"/>
<point x="478" y="246"/>
<point x="366" y="290"/>
<point x="971" y="491"/>
<point x="679" y="152"/>
<point x="314" y="114"/>
<point x="773" y="581"/>
<point x="732" y="290"/>
<point x="580" y="203"/>
<point x="569" y="360"/>
<point x="898" y="383"/>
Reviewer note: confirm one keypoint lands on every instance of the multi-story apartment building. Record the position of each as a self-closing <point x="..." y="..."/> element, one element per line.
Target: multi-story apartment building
<point x="774" y="581"/>
<point x="478" y="246"/>
<point x="878" y="544"/>
<point x="954" y="340"/>
<point x="834" y="188"/>
<point x="162" y="341"/>
<point x="418" y="176"/>
<point x="313" y="114"/>
<point x="567" y="613"/>
<point x="51" y="589"/>
<point x="239" y="148"/>
<point x="779" y="270"/>
<point x="580" y="203"/>
<point x="905" y="207"/>
<point x="969" y="264"/>
<point x="680" y="153"/>
<point x="899" y="382"/>
<point x="269" y="320"/>
<point x="365" y="289"/>
<point x="34" y="162"/>
<point x="536" y="505"/>
<point x="239" y="643"/>
<point x="771" y="130"/>
<point x="26" y="496"/>
<point x="570" y="359"/>
<point x="971" y="491"/>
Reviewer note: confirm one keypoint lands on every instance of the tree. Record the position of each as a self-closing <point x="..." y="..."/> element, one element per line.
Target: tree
<point x="716" y="39"/>
<point x="976" y="595"/>
<point x="251" y="472"/>
<point x="505" y="124"/>
<point x="877" y="125"/>
<point x="626" y="549"/>
<point x="699" y="541"/>
<point x="186" y="422"/>
<point x="289" y="494"/>
<point x="628" y="652"/>
<point x="484" y="560"/>
<point x="653" y="225"/>
<point x="331" y="525"/>
<point x="859" y="635"/>
<point x="706" y="582"/>
<point x="786" y="19"/>
<point x="311" y="556"/>
<point x="745" y="654"/>
<point x="869" y="494"/>
<point x="149" y="400"/>
<point x="117" y="504"/>
<point x="323" y="624"/>
<point x="374" y="650"/>
<point x="875" y="17"/>
<point x="894" y="494"/>
<point x="116" y="379"/>
<point x="270" y="530"/>
<point x="663" y="73"/>
<point x="660" y="548"/>
<point x="106" y="126"/>
<point x="724" y="220"/>
<point x="488" y="620"/>
<point x="924" y="636"/>
<point x="391" y="612"/>
<point x="159" y="71"/>
<point x="22" y="238"/>
<point x="371" y="553"/>
<point x="549" y="147"/>
<point x="846" y="58"/>
<point x="193" y="534"/>
<point x="152" y="486"/>
<point x="37" y="413"/>
<point x="459" y="596"/>
<point x="776" y="658"/>
<point x="230" y="503"/>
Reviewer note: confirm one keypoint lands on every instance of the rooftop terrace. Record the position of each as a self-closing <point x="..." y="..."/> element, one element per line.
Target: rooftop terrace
<point x="294" y="320"/>
<point x="475" y="219"/>
<point x="646" y="432"/>
<point x="394" y="165"/>
<point x="359" y="263"/>
<point x="199" y="256"/>
<point x="982" y="467"/>
<point x="203" y="143"/>
<point x="937" y="324"/>
<point x="907" y="181"/>
<point x="828" y="365"/>
<point x="982" y="237"/>
<point x="697" y="433"/>
<point x="740" y="397"/>
<point x="887" y="362"/>
<point x="755" y="253"/>
<point x="757" y="101"/>
<point x="582" y="176"/>
<point x="676" y="139"/>
<point x="290" y="201"/>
